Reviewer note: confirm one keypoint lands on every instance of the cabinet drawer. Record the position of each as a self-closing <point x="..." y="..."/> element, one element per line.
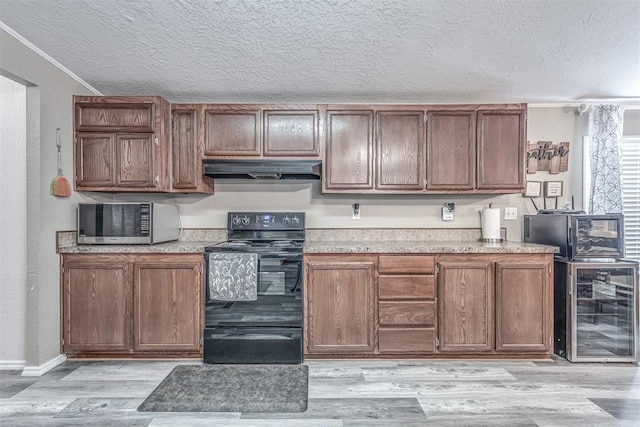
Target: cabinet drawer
<point x="406" y="264"/>
<point x="115" y="117"/>
<point x="404" y="340"/>
<point x="406" y="287"/>
<point x="406" y="313"/>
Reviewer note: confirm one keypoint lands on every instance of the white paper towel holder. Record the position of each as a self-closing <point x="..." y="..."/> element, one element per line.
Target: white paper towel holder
<point x="490" y="239"/>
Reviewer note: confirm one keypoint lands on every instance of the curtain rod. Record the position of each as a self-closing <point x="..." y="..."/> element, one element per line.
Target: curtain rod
<point x="624" y="101"/>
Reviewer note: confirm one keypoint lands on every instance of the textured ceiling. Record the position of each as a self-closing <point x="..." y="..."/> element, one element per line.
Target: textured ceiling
<point x="418" y="51"/>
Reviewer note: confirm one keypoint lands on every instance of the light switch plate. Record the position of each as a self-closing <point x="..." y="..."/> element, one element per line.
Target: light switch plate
<point x="355" y="214"/>
<point x="510" y="213"/>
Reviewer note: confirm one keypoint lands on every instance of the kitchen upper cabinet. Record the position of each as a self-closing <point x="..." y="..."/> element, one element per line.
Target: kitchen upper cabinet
<point x="291" y="133"/>
<point x="95" y="159"/>
<point x="501" y="149"/>
<point x="96" y="305"/>
<point x="188" y="151"/>
<point x="349" y="151"/>
<point x="135" y="166"/>
<point x="239" y="130"/>
<point x="132" y="305"/>
<point x="339" y="304"/>
<point x="232" y="132"/>
<point x="524" y="306"/>
<point x="426" y="149"/>
<point x="451" y="145"/>
<point x="114" y="160"/>
<point x="466" y="297"/>
<point x="125" y="114"/>
<point x="167" y="303"/>
<point x="400" y="150"/>
<point x="121" y="144"/>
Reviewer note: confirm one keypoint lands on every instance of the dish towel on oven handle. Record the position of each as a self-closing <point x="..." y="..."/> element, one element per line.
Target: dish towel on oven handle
<point x="233" y="276"/>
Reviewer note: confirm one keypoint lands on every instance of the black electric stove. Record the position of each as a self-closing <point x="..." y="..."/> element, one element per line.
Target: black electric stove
<point x="264" y="249"/>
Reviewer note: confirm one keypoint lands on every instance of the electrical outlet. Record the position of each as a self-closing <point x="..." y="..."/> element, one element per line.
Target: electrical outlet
<point x="447" y="211"/>
<point x="447" y="215"/>
<point x="510" y="213"/>
<point x="355" y="214"/>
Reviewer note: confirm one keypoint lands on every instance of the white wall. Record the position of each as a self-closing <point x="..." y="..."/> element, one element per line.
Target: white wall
<point x="49" y="106"/>
<point x="13" y="224"/>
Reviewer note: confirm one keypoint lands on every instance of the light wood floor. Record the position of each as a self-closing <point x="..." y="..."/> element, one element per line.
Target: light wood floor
<point x="376" y="393"/>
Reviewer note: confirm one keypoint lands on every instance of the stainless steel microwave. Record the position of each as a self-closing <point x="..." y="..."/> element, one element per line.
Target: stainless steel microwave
<point x="127" y="223"/>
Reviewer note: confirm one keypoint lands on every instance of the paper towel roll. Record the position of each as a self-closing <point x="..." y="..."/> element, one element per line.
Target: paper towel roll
<point x="491" y="224"/>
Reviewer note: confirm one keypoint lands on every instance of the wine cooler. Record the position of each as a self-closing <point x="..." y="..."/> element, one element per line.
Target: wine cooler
<point x="596" y="311"/>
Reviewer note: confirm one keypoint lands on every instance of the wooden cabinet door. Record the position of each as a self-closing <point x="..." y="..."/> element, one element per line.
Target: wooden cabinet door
<point x="114" y="114"/>
<point x="524" y="307"/>
<point x="96" y="305"/>
<point x="501" y="149"/>
<point x="339" y="304"/>
<point x="349" y="159"/>
<point x="185" y="148"/>
<point x="187" y="151"/>
<point x="291" y="133"/>
<point x="135" y="154"/>
<point x="95" y="155"/>
<point x="451" y="150"/>
<point x="167" y="305"/>
<point x="465" y="295"/>
<point x="122" y="143"/>
<point x="400" y="150"/>
<point x="232" y="132"/>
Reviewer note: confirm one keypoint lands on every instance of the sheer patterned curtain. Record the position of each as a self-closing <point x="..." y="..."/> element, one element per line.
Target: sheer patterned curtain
<point x="605" y="131"/>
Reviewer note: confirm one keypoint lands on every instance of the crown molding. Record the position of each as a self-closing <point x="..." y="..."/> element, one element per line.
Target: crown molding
<point x="48" y="58"/>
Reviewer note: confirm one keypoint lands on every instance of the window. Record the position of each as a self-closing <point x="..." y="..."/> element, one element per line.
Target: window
<point x="630" y="171"/>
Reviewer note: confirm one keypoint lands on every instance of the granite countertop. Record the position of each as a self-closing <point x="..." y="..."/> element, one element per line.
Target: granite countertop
<point x="330" y="241"/>
<point x="453" y="247"/>
<point x="330" y="247"/>
<point x="177" y="247"/>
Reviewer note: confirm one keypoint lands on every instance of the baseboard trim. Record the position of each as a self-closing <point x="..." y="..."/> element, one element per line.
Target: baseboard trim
<point x="12" y="365"/>
<point x="36" y="371"/>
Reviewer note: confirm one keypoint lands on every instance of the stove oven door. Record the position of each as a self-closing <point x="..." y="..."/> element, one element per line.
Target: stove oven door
<point x="265" y="330"/>
<point x="244" y="345"/>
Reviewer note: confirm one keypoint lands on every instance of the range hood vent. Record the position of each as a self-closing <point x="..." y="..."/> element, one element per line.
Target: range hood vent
<point x="262" y="169"/>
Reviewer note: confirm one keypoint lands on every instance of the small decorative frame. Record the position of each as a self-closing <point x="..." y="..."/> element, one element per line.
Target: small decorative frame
<point x="552" y="188"/>
<point x="533" y="189"/>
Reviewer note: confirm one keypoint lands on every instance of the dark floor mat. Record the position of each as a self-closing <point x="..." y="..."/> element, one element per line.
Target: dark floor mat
<point x="231" y="388"/>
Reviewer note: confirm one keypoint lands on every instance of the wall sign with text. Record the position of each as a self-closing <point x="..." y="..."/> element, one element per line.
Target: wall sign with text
<point x="548" y="156"/>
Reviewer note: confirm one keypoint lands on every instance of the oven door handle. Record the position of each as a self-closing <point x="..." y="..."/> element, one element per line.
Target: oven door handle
<point x="241" y="336"/>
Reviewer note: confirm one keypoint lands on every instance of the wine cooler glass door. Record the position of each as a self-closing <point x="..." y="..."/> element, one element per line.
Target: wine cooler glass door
<point x="605" y="312"/>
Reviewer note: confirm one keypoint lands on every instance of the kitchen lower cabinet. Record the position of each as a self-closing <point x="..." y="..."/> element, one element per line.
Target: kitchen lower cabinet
<point x="465" y="290"/>
<point x="96" y="304"/>
<point x="339" y="304"/>
<point x="407" y="314"/>
<point x="167" y="305"/>
<point x="524" y="306"/>
<point x="495" y="304"/>
<point x="126" y="305"/>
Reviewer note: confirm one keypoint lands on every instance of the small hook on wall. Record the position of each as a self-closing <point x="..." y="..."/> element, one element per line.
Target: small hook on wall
<point x="582" y="108"/>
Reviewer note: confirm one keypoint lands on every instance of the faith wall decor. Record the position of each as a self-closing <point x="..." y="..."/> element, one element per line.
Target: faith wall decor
<point x="548" y="156"/>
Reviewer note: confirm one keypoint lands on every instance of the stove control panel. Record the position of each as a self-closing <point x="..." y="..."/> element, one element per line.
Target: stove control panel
<point x="265" y="221"/>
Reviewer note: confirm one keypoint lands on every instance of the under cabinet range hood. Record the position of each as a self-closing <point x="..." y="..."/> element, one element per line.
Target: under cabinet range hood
<point x="261" y="169"/>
